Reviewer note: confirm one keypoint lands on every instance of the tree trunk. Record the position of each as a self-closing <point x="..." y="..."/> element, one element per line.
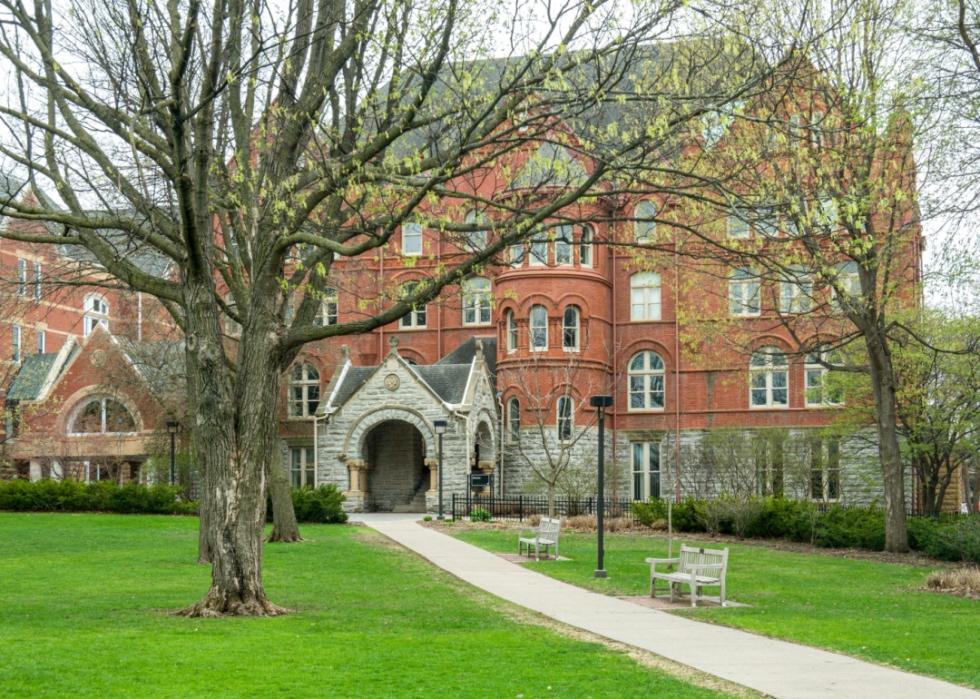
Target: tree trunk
<point x="234" y="413"/>
<point x="551" y="499"/>
<point x="284" y="526"/>
<point x="203" y="548"/>
<point x="886" y="418"/>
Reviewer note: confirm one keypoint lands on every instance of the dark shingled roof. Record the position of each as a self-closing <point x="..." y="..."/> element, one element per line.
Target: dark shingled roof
<point x="355" y="377"/>
<point x="465" y="352"/>
<point x="29" y="380"/>
<point x="447" y="380"/>
<point x="160" y="363"/>
<point x="125" y="246"/>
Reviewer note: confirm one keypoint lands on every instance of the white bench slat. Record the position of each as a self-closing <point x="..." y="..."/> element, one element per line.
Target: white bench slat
<point x="693" y="564"/>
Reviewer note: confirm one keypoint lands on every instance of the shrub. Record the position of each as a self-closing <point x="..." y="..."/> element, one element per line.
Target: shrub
<point x="427" y="518"/>
<point x="322" y="505"/>
<point x="854" y="527"/>
<point x="480" y="514"/>
<point x="101" y="496"/>
<point x="646" y="513"/>
<point x="688" y="516"/>
<point x="950" y="539"/>
<point x="964" y="582"/>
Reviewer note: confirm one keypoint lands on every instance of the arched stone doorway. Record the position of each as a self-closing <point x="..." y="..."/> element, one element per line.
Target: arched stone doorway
<point x="397" y="475"/>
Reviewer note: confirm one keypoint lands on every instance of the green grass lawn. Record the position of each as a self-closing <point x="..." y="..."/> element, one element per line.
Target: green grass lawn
<point x="84" y="602"/>
<point x="864" y="608"/>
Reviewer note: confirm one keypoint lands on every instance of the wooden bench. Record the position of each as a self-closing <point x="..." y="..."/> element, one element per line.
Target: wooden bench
<point x="545" y="536"/>
<point x="696" y="568"/>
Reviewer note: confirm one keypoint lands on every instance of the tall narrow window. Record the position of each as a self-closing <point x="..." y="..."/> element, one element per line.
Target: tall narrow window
<point x="646" y="470"/>
<point x="563" y="245"/>
<point x="819" y="391"/>
<point x="645" y="296"/>
<point x="411" y="238"/>
<point x="565" y="418"/>
<point x="301" y="472"/>
<point x="21" y="277"/>
<point x="738" y="226"/>
<point x="849" y="282"/>
<point x="644" y="226"/>
<point x="328" y="308"/>
<point x="511" y="331"/>
<point x="539" y="328"/>
<point x="476" y="239"/>
<point x="96" y="313"/>
<point x="768" y="379"/>
<point x="585" y="247"/>
<point x="795" y="291"/>
<point x="517" y="253"/>
<point x="769" y="476"/>
<point x="41" y="341"/>
<point x="825" y="472"/>
<point x="514" y="420"/>
<point x="37" y="281"/>
<point x="15" y="338"/>
<point x="415" y="318"/>
<point x="539" y="250"/>
<point x="743" y="293"/>
<point x="304" y="391"/>
<point x="476" y="301"/>
<point x="570" y="329"/>
<point x="646" y="381"/>
<point x="817" y="129"/>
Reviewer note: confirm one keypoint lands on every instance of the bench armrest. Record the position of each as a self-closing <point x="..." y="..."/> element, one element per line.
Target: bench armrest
<point x="655" y="561"/>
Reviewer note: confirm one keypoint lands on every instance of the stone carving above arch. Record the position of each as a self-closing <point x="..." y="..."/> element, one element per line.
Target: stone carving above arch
<point x="358" y="431"/>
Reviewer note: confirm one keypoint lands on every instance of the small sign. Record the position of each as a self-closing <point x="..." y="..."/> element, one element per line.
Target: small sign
<point x="481" y="480"/>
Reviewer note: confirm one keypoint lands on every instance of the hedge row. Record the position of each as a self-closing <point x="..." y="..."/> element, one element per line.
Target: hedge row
<point x="323" y="504"/>
<point x="955" y="538"/>
<point x="101" y="496"/>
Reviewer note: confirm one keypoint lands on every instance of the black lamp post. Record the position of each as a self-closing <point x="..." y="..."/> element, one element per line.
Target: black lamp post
<point x="172" y="427"/>
<point x="600" y="403"/>
<point x="440" y="427"/>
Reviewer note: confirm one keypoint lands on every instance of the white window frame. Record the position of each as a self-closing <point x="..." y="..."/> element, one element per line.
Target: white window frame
<point x="643" y="457"/>
<point x="306" y="403"/>
<point x="796" y="293"/>
<point x="765" y="367"/>
<point x="825" y="460"/>
<point x="744" y="292"/>
<point x="417" y="317"/>
<point x="571" y="330"/>
<point x="510" y="321"/>
<point x="41" y="341"/>
<point x="737" y="226"/>
<point x="644" y="231"/>
<point x="37" y="281"/>
<point x="585" y="246"/>
<point x="816" y="128"/>
<point x="302" y="462"/>
<point x="514" y="420"/>
<point x="815" y="381"/>
<point x="538" y="250"/>
<point x="16" y="338"/>
<point x="328" y="313"/>
<point x="646" y="297"/>
<point x="474" y="240"/>
<point x="103" y="416"/>
<point x="477" y="301"/>
<point x="517" y="254"/>
<point x="565" y="418"/>
<point x="648" y="380"/>
<point x="411" y="239"/>
<point x="21" y="276"/>
<point x="564" y="256"/>
<point x="848" y="278"/>
<point x="96" y="313"/>
<point x="538" y="330"/>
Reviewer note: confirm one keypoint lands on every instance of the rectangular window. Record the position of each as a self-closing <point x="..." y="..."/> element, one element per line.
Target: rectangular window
<point x="416" y="318"/>
<point x="539" y="251"/>
<point x="40" y="342"/>
<point x="301" y="467"/>
<point x="411" y="238"/>
<point x="15" y="343"/>
<point x="646" y="470"/>
<point x="849" y="281"/>
<point x="825" y="469"/>
<point x="565" y="419"/>
<point x="738" y="226"/>
<point x="743" y="293"/>
<point x="37" y="281"/>
<point x="768" y="464"/>
<point x="539" y="329"/>
<point x="796" y="293"/>
<point x="563" y="245"/>
<point x="517" y="254"/>
<point x="21" y="277"/>
<point x="328" y="308"/>
<point x="585" y="248"/>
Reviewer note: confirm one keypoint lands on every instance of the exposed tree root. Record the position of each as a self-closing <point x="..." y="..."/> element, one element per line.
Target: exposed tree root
<point x="217" y="605"/>
<point x="283" y="538"/>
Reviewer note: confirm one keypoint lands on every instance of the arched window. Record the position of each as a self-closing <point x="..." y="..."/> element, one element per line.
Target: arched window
<point x="645" y="296"/>
<point x="476" y="301"/>
<point x="328" y="308"/>
<point x="646" y="377"/>
<point x="511" y="331"/>
<point x="475" y="240"/>
<point x="768" y="379"/>
<point x="585" y="247"/>
<point x="570" y="329"/>
<point x="565" y="418"/>
<point x="415" y="318"/>
<point x="644" y="227"/>
<point x="304" y="391"/>
<point x="96" y="313"/>
<point x="102" y="415"/>
<point x="743" y="293"/>
<point x="819" y="391"/>
<point x="514" y="419"/>
<point x="563" y="245"/>
<point x="539" y="329"/>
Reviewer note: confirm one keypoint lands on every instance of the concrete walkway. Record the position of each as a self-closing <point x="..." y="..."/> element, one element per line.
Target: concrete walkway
<point x="774" y="667"/>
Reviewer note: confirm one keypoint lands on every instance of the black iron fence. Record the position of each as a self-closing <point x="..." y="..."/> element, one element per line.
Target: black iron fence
<point x="521" y="507"/>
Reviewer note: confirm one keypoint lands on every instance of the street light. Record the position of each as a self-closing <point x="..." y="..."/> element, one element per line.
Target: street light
<point x="440" y="427"/>
<point x="600" y="403"/>
<point x="172" y="427"/>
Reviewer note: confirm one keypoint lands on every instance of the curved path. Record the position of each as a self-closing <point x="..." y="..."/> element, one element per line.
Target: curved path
<point x="778" y="668"/>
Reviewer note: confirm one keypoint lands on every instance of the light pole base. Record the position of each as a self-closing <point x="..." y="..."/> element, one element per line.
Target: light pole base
<point x="600" y="573"/>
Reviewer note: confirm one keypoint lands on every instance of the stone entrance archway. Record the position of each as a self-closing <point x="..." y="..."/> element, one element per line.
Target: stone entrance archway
<point x="397" y="476"/>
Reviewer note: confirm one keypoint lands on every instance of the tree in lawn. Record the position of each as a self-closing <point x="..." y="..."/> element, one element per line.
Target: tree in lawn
<point x="252" y="144"/>
<point x="810" y="223"/>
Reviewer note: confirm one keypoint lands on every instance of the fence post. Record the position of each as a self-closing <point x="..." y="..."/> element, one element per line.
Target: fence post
<point x="520" y="508"/>
<point x="454" y="507"/>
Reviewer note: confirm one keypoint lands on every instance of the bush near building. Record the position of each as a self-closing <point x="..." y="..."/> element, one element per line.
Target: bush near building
<point x="949" y="538"/>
